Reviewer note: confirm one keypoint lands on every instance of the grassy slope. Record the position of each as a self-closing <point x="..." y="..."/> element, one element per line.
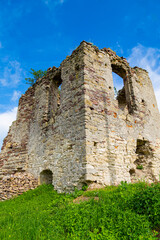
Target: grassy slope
<point x="129" y="211"/>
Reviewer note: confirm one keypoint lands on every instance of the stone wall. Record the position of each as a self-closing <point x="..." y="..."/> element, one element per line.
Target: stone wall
<point x="85" y="135"/>
<point x="114" y="126"/>
<point x="57" y="134"/>
<point x="14" y="153"/>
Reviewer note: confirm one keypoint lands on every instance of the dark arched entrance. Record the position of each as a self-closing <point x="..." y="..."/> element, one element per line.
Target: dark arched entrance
<point x="46" y="177"/>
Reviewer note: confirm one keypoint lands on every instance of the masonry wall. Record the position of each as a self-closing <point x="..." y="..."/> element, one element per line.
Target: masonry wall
<point x="85" y="135"/>
<point x="58" y="143"/>
<point x="14" y="179"/>
<point x="117" y="127"/>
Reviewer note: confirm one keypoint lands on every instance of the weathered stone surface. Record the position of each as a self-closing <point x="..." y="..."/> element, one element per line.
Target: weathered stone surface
<point x="85" y="135"/>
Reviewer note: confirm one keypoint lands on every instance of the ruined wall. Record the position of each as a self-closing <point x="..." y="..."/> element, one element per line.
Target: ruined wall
<point x="52" y="130"/>
<point x="116" y="127"/>
<point x="88" y="135"/>
<point x="57" y="142"/>
<point x="14" y="153"/>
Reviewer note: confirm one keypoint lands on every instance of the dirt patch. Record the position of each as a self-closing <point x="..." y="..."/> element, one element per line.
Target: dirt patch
<point x="83" y="198"/>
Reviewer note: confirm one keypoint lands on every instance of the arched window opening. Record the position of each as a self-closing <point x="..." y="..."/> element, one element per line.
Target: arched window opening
<point x="46" y="177"/>
<point x="119" y="90"/>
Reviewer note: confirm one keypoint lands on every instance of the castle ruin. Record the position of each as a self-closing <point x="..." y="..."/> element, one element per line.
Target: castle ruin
<point x="86" y="135"/>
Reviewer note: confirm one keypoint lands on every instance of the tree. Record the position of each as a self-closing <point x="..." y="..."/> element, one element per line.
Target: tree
<point x="36" y="74"/>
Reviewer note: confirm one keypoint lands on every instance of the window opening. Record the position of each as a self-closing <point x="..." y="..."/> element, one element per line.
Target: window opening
<point x="118" y="83"/>
<point x="119" y="90"/>
<point x="59" y="95"/>
<point x="119" y="74"/>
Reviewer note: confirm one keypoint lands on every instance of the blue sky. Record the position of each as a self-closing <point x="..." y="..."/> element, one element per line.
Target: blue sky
<point x="39" y="34"/>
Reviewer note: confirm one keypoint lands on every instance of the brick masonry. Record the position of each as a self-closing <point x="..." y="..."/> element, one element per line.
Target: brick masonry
<point x="85" y="135"/>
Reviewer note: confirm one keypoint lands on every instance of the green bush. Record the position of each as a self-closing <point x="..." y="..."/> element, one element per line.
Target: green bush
<point x="146" y="201"/>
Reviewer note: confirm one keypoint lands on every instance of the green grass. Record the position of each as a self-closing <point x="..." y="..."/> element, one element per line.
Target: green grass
<point x="129" y="211"/>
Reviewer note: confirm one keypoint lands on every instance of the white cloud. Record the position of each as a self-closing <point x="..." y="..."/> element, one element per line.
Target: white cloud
<point x="12" y="74"/>
<point x="6" y="120"/>
<point x="149" y="59"/>
<point x="16" y="95"/>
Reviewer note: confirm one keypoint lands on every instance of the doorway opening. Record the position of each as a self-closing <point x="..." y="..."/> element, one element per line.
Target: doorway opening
<point x="46" y="177"/>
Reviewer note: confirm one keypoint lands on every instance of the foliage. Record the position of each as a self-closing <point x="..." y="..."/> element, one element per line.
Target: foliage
<point x="129" y="211"/>
<point x="140" y="167"/>
<point x="115" y="92"/>
<point x="35" y="76"/>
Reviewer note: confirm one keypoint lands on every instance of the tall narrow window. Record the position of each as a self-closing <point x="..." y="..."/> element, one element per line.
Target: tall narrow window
<point x="54" y="94"/>
<point x="59" y="95"/>
<point x="117" y="82"/>
<point x="119" y="89"/>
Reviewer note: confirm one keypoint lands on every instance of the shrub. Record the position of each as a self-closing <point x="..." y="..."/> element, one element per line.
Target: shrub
<point x="140" y="167"/>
